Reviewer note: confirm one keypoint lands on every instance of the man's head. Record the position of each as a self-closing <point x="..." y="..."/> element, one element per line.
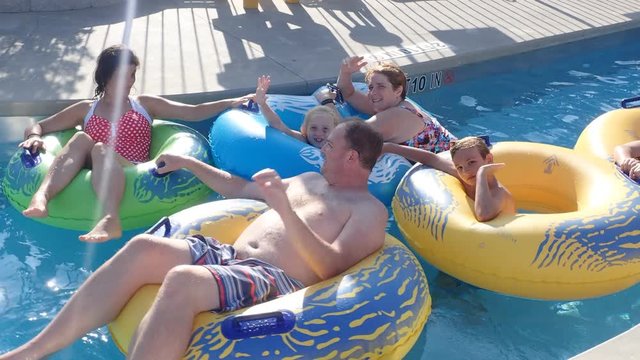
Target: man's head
<point x="352" y="147"/>
<point x="468" y="155"/>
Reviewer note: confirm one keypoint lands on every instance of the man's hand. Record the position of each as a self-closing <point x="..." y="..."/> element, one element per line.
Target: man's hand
<point x="170" y="162"/>
<point x="273" y="190"/>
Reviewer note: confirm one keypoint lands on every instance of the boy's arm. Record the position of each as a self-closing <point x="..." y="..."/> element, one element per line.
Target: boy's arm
<point x="439" y="162"/>
<point x="489" y="204"/>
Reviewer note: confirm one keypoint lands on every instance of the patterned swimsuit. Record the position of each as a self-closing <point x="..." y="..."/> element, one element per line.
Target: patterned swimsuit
<point x="133" y="132"/>
<point x="433" y="137"/>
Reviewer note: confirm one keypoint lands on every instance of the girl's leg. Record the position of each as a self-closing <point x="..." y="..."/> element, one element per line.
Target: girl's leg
<point x="143" y="260"/>
<point x="108" y="182"/>
<point x="165" y="330"/>
<point x="63" y="169"/>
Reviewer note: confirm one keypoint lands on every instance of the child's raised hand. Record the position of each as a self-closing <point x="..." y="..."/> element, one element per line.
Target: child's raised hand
<point x="264" y="82"/>
<point x="489" y="169"/>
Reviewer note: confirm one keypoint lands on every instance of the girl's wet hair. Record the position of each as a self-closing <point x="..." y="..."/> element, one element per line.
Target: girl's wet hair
<point x="394" y="74"/>
<point x="108" y="62"/>
<point x="320" y="109"/>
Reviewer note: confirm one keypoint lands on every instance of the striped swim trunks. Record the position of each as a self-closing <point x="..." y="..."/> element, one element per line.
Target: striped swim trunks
<point x="241" y="283"/>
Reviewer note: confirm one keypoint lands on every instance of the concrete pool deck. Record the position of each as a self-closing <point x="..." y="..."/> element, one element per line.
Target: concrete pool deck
<point x="209" y="49"/>
<point x="196" y="50"/>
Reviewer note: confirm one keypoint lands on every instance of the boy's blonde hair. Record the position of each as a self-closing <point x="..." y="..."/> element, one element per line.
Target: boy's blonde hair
<point x="320" y="109"/>
<point x="470" y="142"/>
<point x="394" y="74"/>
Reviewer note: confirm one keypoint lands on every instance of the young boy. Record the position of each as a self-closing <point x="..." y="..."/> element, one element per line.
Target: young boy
<point x="471" y="162"/>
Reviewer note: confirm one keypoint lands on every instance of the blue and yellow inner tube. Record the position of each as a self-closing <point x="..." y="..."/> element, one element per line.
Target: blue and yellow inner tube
<point x="374" y="310"/>
<point x="608" y="130"/>
<point x="579" y="237"/>
<point x="146" y="197"/>
<point x="243" y="143"/>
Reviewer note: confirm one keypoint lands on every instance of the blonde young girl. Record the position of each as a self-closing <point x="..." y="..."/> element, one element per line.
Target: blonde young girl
<point x="317" y="124"/>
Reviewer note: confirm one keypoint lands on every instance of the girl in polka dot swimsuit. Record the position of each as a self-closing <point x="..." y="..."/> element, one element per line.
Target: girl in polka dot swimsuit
<point x="113" y="111"/>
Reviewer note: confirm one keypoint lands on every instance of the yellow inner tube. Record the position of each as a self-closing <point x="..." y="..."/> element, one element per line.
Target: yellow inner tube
<point x="609" y="130"/>
<point x="582" y="239"/>
<point x="376" y="309"/>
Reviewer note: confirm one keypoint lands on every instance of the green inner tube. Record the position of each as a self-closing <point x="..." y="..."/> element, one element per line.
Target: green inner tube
<point x="146" y="197"/>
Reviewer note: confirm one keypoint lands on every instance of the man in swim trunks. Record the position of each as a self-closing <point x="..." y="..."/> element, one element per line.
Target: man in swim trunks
<point x="318" y="226"/>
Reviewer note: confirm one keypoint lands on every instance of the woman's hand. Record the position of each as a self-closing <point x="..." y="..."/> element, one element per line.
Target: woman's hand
<point x="325" y="94"/>
<point x="352" y="64"/>
<point x="264" y="82"/>
<point x="34" y="143"/>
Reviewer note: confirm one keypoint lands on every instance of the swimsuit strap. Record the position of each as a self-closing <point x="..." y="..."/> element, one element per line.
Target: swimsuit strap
<point x="136" y="106"/>
<point x="90" y="113"/>
<point x="412" y="110"/>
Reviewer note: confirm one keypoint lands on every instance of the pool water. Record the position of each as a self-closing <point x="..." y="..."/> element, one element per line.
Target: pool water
<point x="537" y="96"/>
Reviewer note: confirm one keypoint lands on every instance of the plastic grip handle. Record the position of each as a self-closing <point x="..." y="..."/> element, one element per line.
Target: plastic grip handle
<point x="245" y="326"/>
<point x="28" y="159"/>
<point x="155" y="173"/>
<point x="251" y="106"/>
<point x="625" y="103"/>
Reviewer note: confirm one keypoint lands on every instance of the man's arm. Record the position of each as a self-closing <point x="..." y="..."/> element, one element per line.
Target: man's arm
<point x="438" y="162"/>
<point x="489" y="204"/>
<point x="224" y="183"/>
<point x="362" y="234"/>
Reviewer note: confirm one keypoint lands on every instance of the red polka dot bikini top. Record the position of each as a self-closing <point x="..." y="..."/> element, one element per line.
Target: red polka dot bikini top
<point x="133" y="131"/>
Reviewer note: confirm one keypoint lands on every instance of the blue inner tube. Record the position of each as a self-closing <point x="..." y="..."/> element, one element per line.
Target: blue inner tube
<point x="243" y="143"/>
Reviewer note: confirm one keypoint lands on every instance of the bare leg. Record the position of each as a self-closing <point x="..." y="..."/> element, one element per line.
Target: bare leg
<point x="108" y="180"/>
<point x="63" y="169"/>
<point x="166" y="328"/>
<point x="144" y="259"/>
